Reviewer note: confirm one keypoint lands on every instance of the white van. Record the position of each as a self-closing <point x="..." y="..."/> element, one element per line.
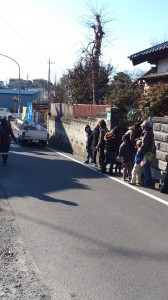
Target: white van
<point x="4" y="111"/>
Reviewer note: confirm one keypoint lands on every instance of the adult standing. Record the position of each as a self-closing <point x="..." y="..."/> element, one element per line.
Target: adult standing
<point x="148" y="149"/>
<point x="110" y="149"/>
<point x="95" y="134"/>
<point x="6" y="135"/>
<point x="127" y="152"/>
<point x="100" y="146"/>
<point x="89" y="141"/>
<point x="135" y="132"/>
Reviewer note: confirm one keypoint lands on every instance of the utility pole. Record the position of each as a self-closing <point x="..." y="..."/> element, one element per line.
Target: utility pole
<point x="49" y="78"/>
<point x="27" y="80"/>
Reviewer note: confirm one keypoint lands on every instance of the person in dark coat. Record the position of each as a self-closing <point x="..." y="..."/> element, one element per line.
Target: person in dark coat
<point x="127" y="152"/>
<point x="95" y="134"/>
<point x="6" y="135"/>
<point x="110" y="149"/>
<point x="147" y="148"/>
<point x="100" y="145"/>
<point x="89" y="141"/>
<point x="135" y="132"/>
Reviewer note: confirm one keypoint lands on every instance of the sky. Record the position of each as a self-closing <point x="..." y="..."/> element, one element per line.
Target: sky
<point x="32" y="32"/>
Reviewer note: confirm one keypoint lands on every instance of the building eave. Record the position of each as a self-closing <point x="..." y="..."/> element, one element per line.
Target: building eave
<point x="151" y="55"/>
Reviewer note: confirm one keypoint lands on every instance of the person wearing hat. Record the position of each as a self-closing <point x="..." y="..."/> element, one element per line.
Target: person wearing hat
<point x="148" y="149"/>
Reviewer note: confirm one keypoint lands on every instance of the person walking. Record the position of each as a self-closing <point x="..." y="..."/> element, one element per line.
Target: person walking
<point x="149" y="150"/>
<point x="89" y="141"/>
<point x="137" y="169"/>
<point x="127" y="152"/>
<point x="6" y="135"/>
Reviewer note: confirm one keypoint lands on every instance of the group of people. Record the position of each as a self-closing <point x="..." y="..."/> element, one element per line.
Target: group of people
<point x="6" y="135"/>
<point x="131" y="152"/>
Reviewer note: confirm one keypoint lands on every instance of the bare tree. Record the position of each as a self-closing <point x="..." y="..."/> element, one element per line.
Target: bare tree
<point x="94" y="47"/>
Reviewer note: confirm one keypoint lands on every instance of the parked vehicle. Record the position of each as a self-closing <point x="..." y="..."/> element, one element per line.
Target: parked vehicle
<point x="32" y="133"/>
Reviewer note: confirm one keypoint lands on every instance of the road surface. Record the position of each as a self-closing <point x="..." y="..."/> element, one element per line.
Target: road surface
<point x="92" y="237"/>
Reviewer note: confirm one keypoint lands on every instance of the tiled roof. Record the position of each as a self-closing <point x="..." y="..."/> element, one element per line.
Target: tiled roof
<point x="150" y="53"/>
<point x="153" y="76"/>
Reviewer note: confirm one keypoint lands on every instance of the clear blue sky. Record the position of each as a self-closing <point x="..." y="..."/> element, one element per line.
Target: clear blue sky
<point x="32" y="31"/>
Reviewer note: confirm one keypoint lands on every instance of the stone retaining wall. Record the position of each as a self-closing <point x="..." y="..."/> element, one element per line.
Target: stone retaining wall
<point x="160" y="128"/>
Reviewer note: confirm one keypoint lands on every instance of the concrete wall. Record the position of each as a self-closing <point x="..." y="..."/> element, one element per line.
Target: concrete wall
<point x="69" y="135"/>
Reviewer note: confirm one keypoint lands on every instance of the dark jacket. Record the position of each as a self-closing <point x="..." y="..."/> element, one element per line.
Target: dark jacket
<point x="101" y="141"/>
<point x="89" y="139"/>
<point x="95" y="134"/>
<point x="148" y="144"/>
<point x="127" y="151"/>
<point x="6" y="135"/>
<point x="111" y="142"/>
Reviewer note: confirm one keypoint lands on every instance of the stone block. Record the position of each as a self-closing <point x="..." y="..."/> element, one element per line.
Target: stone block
<point x="160" y="136"/>
<point x="164" y="147"/>
<point x="157" y="126"/>
<point x="163" y="120"/>
<point x="164" y="128"/>
<point x="162" y="165"/>
<point x="161" y="155"/>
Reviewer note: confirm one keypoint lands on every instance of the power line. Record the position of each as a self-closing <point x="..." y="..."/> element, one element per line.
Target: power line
<point x="21" y="36"/>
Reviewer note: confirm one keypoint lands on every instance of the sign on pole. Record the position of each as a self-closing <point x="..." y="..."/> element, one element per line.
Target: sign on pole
<point x="29" y="112"/>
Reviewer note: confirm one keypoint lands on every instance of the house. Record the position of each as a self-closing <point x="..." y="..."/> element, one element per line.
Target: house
<point x="157" y="56"/>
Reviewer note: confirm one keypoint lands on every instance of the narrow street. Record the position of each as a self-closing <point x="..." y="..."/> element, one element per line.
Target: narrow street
<point x="90" y="236"/>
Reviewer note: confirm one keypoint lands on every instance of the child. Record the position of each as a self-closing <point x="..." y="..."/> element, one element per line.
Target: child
<point x="137" y="169"/>
<point x="127" y="151"/>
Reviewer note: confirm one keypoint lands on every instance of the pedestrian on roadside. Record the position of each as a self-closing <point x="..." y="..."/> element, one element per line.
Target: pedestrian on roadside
<point x="95" y="134"/>
<point x="137" y="169"/>
<point x="135" y="132"/>
<point x="110" y="150"/>
<point x="149" y="150"/>
<point x="118" y="164"/>
<point x="100" y="146"/>
<point x="89" y="141"/>
<point x="127" y="153"/>
<point x="6" y="135"/>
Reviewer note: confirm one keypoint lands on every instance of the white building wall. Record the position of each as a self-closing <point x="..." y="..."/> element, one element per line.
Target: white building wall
<point x="162" y="66"/>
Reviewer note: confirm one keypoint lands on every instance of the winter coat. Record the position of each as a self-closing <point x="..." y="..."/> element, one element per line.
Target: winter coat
<point x="148" y="144"/>
<point x="101" y="141"/>
<point x="89" y="139"/>
<point x="6" y="135"/>
<point x="95" y="134"/>
<point x="111" y="142"/>
<point x="127" y="151"/>
<point x="138" y="158"/>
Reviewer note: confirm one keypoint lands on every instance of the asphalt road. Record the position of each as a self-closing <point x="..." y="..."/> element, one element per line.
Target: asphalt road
<point x="91" y="236"/>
